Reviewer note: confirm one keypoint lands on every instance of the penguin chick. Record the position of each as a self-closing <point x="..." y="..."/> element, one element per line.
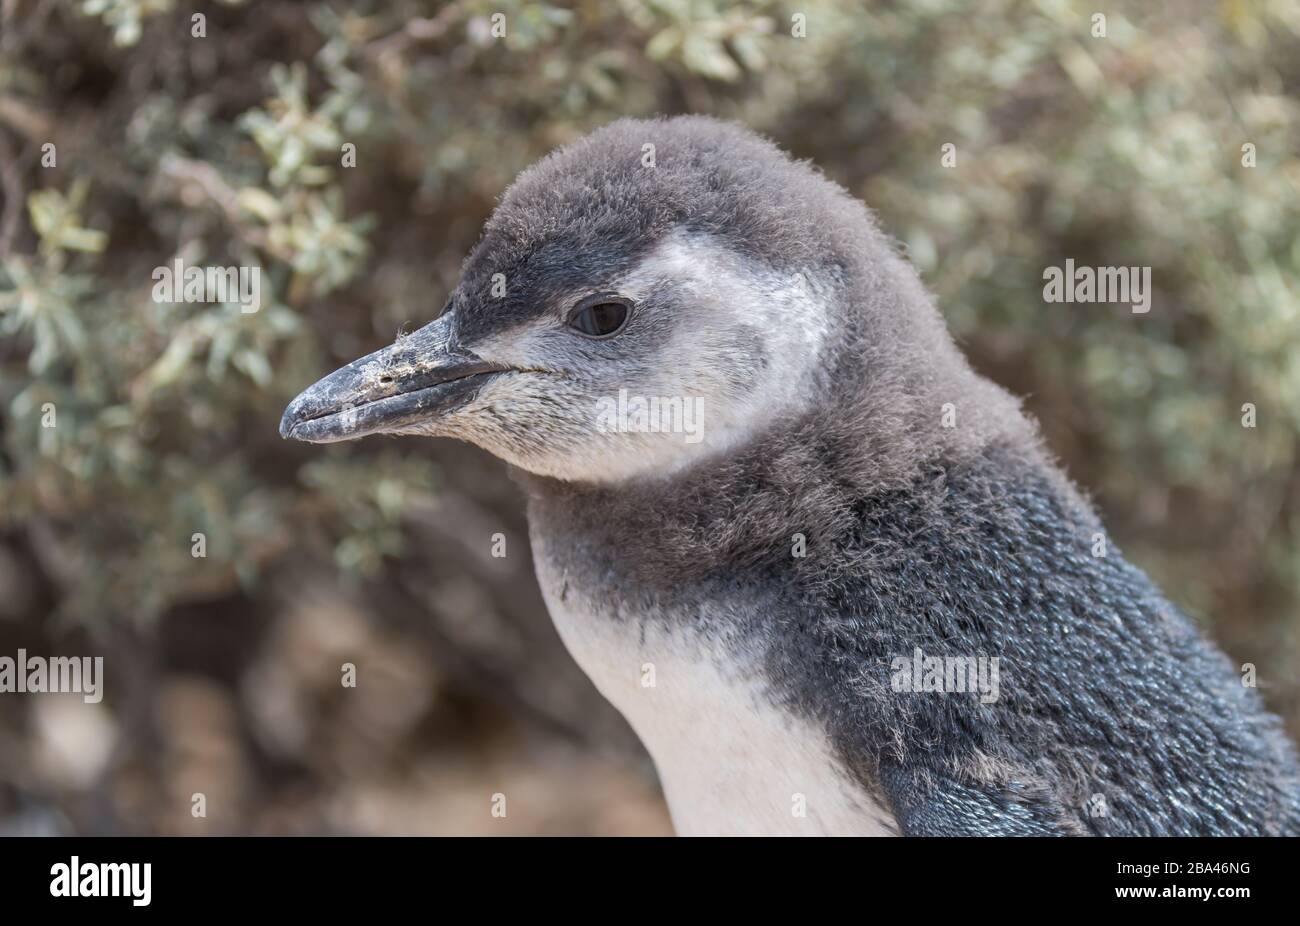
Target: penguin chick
<point x="827" y="572"/>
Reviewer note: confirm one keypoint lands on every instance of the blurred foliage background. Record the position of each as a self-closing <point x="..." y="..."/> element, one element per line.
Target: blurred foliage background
<point x="222" y="673"/>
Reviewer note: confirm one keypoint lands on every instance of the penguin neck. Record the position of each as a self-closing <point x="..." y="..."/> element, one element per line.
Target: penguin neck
<point x="793" y="478"/>
<point x="671" y="654"/>
<point x="695" y="609"/>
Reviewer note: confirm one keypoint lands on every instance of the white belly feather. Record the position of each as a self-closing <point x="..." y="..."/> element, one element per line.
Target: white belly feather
<point x="730" y="762"/>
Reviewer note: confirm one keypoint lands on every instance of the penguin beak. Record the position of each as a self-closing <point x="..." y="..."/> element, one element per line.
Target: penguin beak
<point x="420" y="377"/>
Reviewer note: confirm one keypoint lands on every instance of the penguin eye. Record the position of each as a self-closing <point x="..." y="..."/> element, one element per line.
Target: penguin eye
<point x="601" y="315"/>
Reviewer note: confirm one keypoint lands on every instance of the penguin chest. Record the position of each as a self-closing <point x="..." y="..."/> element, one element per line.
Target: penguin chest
<point x="731" y="762"/>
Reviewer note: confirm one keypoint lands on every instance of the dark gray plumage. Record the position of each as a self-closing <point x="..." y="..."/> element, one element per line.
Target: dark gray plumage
<point x="827" y="370"/>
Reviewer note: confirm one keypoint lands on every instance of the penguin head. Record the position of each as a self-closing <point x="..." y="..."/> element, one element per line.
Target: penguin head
<point x="655" y="293"/>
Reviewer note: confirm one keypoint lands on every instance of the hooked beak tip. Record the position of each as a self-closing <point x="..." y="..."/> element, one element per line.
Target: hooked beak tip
<point x="288" y="422"/>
